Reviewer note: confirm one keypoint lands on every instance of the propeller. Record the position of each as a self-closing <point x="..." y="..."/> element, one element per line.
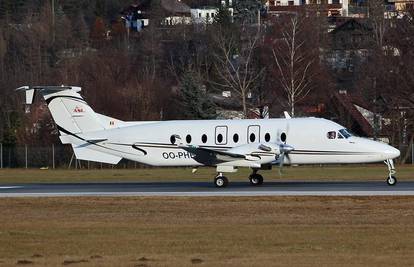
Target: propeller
<point x="284" y="148"/>
<point x="284" y="152"/>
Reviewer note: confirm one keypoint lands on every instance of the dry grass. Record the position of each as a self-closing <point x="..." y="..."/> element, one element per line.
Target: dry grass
<point x="232" y="231"/>
<point x="315" y="173"/>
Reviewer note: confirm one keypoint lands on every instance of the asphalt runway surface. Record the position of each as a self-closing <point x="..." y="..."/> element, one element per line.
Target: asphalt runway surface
<point x="294" y="188"/>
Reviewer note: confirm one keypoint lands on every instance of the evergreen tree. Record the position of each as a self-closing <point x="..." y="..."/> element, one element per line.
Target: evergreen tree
<point x="13" y="122"/>
<point x="223" y="16"/>
<point x="246" y="11"/>
<point x="195" y="103"/>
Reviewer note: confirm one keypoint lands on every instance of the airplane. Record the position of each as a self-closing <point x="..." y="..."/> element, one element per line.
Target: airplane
<point x="257" y="144"/>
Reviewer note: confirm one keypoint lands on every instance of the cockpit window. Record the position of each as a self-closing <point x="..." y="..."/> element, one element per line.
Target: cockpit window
<point x="345" y="133"/>
<point x="340" y="136"/>
<point x="331" y="135"/>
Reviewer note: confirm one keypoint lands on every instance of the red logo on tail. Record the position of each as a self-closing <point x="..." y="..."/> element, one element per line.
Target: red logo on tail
<point x="78" y="110"/>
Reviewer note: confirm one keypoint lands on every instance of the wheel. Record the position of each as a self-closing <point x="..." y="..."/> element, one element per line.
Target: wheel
<point x="391" y="180"/>
<point x="256" y="179"/>
<point x="221" y="181"/>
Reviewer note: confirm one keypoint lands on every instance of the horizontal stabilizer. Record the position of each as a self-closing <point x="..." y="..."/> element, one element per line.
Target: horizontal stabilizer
<point x="55" y="88"/>
<point x="85" y="153"/>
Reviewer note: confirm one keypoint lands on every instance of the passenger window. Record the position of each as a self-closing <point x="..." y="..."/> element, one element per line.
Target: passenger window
<point x="172" y="139"/>
<point x="219" y="138"/>
<point x="236" y="138"/>
<point x="252" y="137"/>
<point x="204" y="138"/>
<point x="283" y="137"/>
<point x="188" y="138"/>
<point x="267" y="137"/>
<point x="331" y="135"/>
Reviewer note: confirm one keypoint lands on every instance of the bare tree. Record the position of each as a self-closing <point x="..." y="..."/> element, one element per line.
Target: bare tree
<point x="293" y="64"/>
<point x="379" y="21"/>
<point x="235" y="64"/>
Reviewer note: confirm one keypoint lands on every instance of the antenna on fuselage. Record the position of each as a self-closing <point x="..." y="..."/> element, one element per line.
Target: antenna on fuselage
<point x="287" y="116"/>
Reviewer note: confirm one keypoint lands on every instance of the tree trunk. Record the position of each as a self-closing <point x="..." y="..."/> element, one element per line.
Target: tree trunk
<point x="408" y="151"/>
<point x="244" y="105"/>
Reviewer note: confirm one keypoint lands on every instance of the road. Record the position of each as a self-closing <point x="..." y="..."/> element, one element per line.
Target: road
<point x="371" y="188"/>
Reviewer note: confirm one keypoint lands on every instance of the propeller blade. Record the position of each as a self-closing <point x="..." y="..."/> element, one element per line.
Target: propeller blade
<point x="284" y="151"/>
<point x="281" y="160"/>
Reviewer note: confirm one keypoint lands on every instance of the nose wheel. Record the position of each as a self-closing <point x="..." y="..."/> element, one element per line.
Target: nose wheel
<point x="391" y="179"/>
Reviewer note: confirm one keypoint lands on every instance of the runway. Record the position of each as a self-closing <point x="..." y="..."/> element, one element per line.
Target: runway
<point x="294" y="188"/>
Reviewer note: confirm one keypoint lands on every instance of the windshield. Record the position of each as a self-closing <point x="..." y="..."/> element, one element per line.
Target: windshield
<point x="345" y="133"/>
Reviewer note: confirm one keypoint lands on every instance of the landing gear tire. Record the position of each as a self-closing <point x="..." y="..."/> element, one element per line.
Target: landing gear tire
<point x="391" y="180"/>
<point x="221" y="181"/>
<point x="256" y="179"/>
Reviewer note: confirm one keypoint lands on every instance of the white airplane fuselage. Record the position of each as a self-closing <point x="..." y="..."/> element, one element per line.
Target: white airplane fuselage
<point x="150" y="143"/>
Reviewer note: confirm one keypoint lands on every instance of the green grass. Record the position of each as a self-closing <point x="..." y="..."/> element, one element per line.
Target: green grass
<point x="303" y="173"/>
<point x="208" y="231"/>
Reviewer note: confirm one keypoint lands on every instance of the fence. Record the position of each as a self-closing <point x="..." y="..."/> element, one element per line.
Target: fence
<point x="49" y="157"/>
<point x="60" y="156"/>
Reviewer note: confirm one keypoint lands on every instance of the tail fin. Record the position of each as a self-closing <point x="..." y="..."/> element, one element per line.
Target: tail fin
<point x="69" y="110"/>
<point x="74" y="118"/>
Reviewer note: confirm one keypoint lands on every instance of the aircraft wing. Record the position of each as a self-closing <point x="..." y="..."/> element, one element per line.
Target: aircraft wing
<point x="249" y="152"/>
<point x="219" y="154"/>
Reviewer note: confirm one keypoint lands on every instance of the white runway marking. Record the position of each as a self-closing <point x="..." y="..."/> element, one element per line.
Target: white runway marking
<point x="215" y="194"/>
<point x="10" y="187"/>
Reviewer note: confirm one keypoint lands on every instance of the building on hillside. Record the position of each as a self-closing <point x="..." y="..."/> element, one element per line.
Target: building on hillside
<point x="204" y="15"/>
<point x="176" y="11"/>
<point x="350" y="43"/>
<point x="402" y="5"/>
<point x="138" y="14"/>
<point x="332" y="8"/>
<point x="326" y="8"/>
<point x="352" y="112"/>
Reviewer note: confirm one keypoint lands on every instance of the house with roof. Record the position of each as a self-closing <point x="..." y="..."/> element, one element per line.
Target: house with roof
<point x="203" y="15"/>
<point x="326" y="7"/>
<point x="176" y="12"/>
<point x="139" y="14"/>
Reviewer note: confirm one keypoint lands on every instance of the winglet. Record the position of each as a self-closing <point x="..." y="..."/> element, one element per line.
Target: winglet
<point x="287" y="116"/>
<point x="30" y="90"/>
<point x="29" y="94"/>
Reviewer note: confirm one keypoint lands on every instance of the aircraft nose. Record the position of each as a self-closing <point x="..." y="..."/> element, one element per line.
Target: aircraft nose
<point x="392" y="152"/>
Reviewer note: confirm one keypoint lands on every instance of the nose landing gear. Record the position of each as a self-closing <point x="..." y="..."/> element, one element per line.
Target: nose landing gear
<point x="220" y="180"/>
<point x="391" y="179"/>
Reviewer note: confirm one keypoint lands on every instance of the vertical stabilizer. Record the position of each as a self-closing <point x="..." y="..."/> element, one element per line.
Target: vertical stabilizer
<point x="69" y="110"/>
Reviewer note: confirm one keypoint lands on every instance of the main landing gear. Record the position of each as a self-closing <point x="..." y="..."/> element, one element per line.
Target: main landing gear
<point x="255" y="178"/>
<point x="221" y="181"/>
<point x="391" y="179"/>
